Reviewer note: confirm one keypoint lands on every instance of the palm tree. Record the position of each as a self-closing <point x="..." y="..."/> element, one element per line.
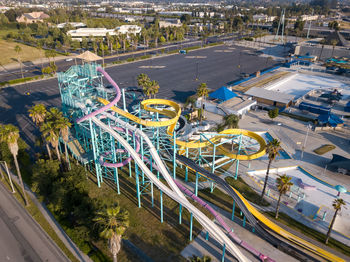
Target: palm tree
<point x="38" y="113"/>
<point x="203" y="92"/>
<point x="123" y="39"/>
<point x="334" y="42"/>
<point x="283" y="185"/>
<point x="18" y="50"/>
<point x="231" y="121"/>
<point x="113" y="222"/>
<point x="63" y="125"/>
<point x="323" y="41"/>
<point x="143" y="80"/>
<point x="9" y="134"/>
<point x="200" y="259"/>
<point x="50" y="129"/>
<point x="50" y="133"/>
<point x="337" y="205"/>
<point x="272" y="149"/>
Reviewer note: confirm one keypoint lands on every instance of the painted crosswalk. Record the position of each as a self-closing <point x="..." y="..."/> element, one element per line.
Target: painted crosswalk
<point x="192" y="56"/>
<point x="152" y="67"/>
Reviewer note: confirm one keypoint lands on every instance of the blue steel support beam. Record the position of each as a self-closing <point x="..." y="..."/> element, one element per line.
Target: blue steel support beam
<point x="191" y="226"/>
<point x="223" y="253"/>
<point x="233" y="210"/>
<point x="161" y="206"/>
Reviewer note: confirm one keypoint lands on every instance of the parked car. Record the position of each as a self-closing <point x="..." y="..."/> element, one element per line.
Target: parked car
<point x="182" y="51"/>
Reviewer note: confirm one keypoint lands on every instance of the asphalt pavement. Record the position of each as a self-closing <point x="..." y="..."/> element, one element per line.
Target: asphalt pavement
<point x="21" y="238"/>
<point x="31" y="69"/>
<point x="176" y="75"/>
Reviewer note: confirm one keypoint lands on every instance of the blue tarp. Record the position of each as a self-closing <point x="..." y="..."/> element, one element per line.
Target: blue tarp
<point x="223" y="93"/>
<point x="330" y="119"/>
<point x="316" y="109"/>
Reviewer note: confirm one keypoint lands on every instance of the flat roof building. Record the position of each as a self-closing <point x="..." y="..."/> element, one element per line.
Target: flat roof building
<point x="78" y="34"/>
<point x="269" y="97"/>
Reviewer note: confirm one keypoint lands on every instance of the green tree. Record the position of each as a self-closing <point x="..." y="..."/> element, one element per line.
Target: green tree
<point x="200" y="259"/>
<point x="202" y="92"/>
<point x="143" y="80"/>
<point x="18" y="50"/>
<point x="9" y="134"/>
<point x="334" y="25"/>
<point x="273" y="113"/>
<point x="299" y="25"/>
<point x="283" y="186"/>
<point x="50" y="129"/>
<point x="231" y="121"/>
<point x="38" y="114"/>
<point x="113" y="222"/>
<point x="322" y="42"/>
<point x="334" y="42"/>
<point x="185" y="18"/>
<point x="337" y="205"/>
<point x="63" y="125"/>
<point x="272" y="149"/>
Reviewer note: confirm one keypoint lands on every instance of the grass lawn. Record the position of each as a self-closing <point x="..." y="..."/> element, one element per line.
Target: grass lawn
<point x="7" y="49"/>
<point x="309" y="232"/>
<point x="324" y="149"/>
<point x="246" y="190"/>
<point x="160" y="241"/>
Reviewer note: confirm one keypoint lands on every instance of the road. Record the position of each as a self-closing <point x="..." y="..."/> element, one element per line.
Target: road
<point x="31" y="70"/>
<point x="21" y="238"/>
<point x="175" y="74"/>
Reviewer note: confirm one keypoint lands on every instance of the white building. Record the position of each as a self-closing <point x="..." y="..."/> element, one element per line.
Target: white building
<point x="170" y="23"/>
<point x="72" y="24"/>
<point x="263" y="18"/>
<point x="309" y="17"/>
<point x="78" y="34"/>
<point x="128" y="29"/>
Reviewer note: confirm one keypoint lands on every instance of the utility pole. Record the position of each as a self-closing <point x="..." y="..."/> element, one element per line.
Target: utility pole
<point x="281" y="23"/>
<point x="308" y="31"/>
<point x="304" y="144"/>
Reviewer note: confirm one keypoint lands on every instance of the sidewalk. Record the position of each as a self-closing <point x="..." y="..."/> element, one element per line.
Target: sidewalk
<point x="53" y="223"/>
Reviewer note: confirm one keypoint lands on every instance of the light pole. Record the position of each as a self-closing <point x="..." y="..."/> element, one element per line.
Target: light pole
<point x="8" y="173"/>
<point x="197" y="77"/>
<point x="304" y="144"/>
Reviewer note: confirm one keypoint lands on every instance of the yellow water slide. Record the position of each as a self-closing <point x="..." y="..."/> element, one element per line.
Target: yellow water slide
<point x="174" y="115"/>
<point x="287" y="235"/>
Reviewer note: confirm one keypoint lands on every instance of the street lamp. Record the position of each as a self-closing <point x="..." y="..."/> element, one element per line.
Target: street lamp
<point x="8" y="173"/>
<point x="304" y="144"/>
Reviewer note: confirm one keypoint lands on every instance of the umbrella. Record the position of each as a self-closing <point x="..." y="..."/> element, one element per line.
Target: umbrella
<point x="88" y="56"/>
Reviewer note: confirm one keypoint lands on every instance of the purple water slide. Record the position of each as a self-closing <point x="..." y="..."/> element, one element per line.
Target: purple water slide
<point x="244" y="244"/>
<point x="104" y="108"/>
<point x="127" y="160"/>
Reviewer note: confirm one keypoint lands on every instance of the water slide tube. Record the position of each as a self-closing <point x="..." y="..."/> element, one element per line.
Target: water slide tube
<point x="174" y="115"/>
<point x="175" y="193"/>
<point x="264" y="225"/>
<point x="189" y="193"/>
<point x="242" y="243"/>
<point x="209" y="225"/>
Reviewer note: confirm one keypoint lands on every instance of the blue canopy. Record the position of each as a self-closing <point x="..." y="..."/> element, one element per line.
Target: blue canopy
<point x="223" y="93"/>
<point x="330" y="119"/>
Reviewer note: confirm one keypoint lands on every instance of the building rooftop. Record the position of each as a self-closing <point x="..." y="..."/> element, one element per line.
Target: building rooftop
<point x="270" y="95"/>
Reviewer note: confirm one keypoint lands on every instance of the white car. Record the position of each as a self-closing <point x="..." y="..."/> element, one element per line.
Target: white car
<point x="69" y="59"/>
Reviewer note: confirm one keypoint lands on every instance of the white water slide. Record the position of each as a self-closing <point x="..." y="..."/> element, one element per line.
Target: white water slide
<point x="174" y="193"/>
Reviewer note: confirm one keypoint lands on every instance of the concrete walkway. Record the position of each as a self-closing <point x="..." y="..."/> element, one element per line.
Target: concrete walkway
<point x="53" y="223"/>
